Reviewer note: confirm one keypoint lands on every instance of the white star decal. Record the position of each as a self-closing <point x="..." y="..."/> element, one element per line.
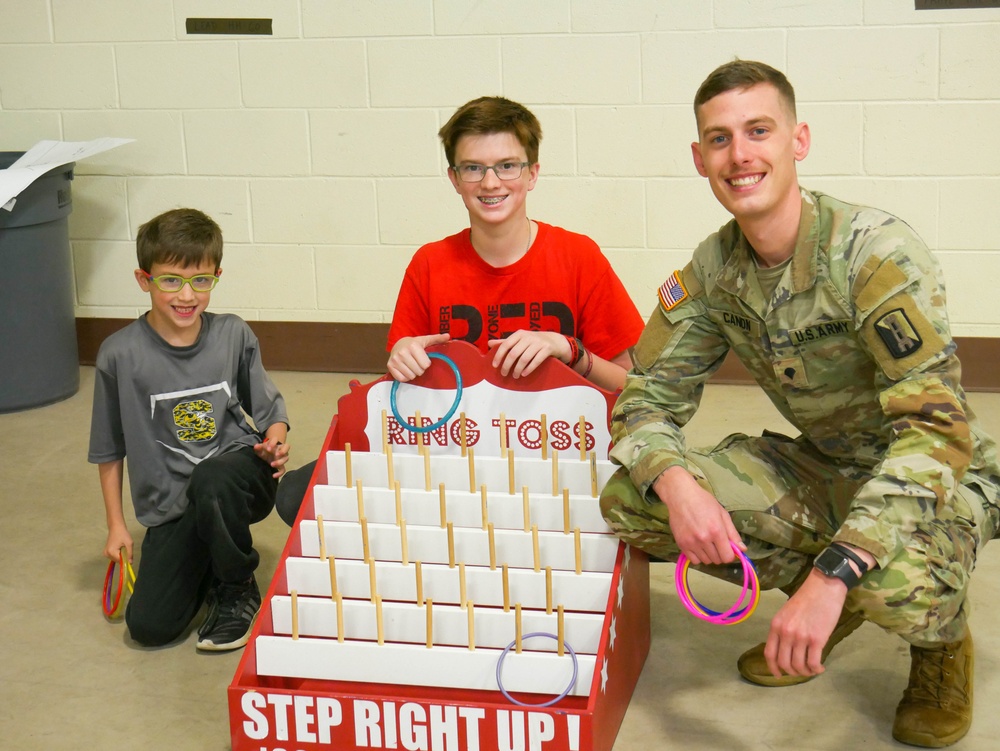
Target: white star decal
<point x="604" y="676"/>
<point x="621" y="591"/>
<point x="627" y="557"/>
<point x="614" y="632"/>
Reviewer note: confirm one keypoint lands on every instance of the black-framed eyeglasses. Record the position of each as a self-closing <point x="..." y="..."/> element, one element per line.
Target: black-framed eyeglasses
<point x="474" y="173"/>
<point x="175" y="283"/>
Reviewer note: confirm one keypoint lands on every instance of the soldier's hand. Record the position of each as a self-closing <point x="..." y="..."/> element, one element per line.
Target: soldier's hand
<point x="699" y="523"/>
<point x="802" y="627"/>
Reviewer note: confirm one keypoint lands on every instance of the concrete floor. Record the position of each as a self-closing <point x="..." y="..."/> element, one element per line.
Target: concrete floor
<point x="69" y="679"/>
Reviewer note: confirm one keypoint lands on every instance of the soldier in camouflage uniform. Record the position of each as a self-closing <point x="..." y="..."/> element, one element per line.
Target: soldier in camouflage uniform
<point x="839" y="314"/>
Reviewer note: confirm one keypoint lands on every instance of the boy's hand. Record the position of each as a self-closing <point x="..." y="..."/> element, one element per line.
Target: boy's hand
<point x="275" y="453"/>
<point x="118" y="538"/>
<point x="408" y="358"/>
<point x="523" y="351"/>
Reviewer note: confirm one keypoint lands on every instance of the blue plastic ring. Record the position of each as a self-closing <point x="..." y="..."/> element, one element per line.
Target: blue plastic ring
<point x="563" y="695"/>
<point x="433" y="426"/>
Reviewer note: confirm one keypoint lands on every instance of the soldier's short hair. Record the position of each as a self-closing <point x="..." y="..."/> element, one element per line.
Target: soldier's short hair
<point x="492" y="114"/>
<point x="186" y="237"/>
<point x="742" y="74"/>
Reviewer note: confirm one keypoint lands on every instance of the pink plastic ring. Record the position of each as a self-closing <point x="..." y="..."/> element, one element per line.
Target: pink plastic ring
<point x="741" y="609"/>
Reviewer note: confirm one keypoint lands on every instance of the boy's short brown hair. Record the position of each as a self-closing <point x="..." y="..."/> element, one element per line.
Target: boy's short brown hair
<point x="186" y="237"/>
<point x="492" y="114"/>
<point x="742" y="74"/>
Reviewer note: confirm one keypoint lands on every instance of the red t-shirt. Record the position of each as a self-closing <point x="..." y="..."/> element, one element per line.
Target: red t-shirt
<point x="563" y="283"/>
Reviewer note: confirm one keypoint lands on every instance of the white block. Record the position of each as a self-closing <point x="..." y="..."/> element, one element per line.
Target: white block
<point x="437" y="72"/>
<point x="313" y="211"/>
<point x="403" y="664"/>
<point x="871" y="63"/>
<point x="606" y="68"/>
<point x="287" y="73"/>
<point x="375" y="142"/>
<point x="193" y="75"/>
<point x="247" y="142"/>
<point x="60" y="77"/>
<point x="226" y="200"/>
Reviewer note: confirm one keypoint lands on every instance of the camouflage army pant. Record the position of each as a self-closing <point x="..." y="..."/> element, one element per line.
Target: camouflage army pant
<point x="788" y="502"/>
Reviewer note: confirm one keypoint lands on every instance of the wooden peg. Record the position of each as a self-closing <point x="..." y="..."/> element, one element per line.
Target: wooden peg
<point x="427" y="471"/>
<point x="420" y="583"/>
<point x="372" y="584"/>
<point x="472" y="470"/>
<point x="365" y="549"/>
<point x="565" y="511"/>
<point x="593" y="474"/>
<point x="340" y="617"/>
<point x="429" y="608"/>
<point x="583" y="438"/>
<point x="555" y="472"/>
<point x="503" y="436"/>
<point x="525" y="508"/>
<point x="390" y="467"/>
<point x="403" y="542"/>
<point x="462" y="597"/>
<point x="576" y="550"/>
<point x="347" y="464"/>
<point x="322" y="537"/>
<point x="333" y="577"/>
<point x="493" y="547"/>
<point x="361" y="501"/>
<point x="451" y="545"/>
<point x="399" y="502"/>
<point x="517" y="627"/>
<point x="472" y="626"/>
<point x="484" y="512"/>
<point x="548" y="590"/>
<point x="417" y="421"/>
<point x="462" y="432"/>
<point x="295" y="614"/>
<point x="561" y="631"/>
<point x="378" y="620"/>
<point x="510" y="471"/>
<point x="385" y="432"/>
<point x="442" y="506"/>
<point x="534" y="547"/>
<point x="544" y="429"/>
<point x="506" y="589"/>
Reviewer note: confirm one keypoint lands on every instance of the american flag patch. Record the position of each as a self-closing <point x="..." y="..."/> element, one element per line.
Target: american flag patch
<point x="672" y="292"/>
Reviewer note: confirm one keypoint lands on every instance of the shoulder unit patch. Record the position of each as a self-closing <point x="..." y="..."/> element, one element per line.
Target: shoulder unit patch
<point x="672" y="292"/>
<point x="898" y="334"/>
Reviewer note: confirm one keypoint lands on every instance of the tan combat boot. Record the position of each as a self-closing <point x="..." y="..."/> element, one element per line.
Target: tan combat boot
<point x="753" y="666"/>
<point x="936" y="709"/>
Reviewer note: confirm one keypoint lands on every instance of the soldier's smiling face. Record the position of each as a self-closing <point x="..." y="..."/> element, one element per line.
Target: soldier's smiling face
<point x="747" y="147"/>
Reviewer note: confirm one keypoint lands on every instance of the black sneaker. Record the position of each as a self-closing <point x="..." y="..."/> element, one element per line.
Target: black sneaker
<point x="232" y="610"/>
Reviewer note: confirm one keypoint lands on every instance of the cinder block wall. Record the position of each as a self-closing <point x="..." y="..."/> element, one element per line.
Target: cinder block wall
<point x="315" y="147"/>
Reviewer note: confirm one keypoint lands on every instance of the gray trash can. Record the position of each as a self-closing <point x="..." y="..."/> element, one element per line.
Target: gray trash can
<point x="39" y="363"/>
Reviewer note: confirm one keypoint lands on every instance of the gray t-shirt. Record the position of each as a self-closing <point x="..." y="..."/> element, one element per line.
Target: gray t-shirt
<point x="168" y="408"/>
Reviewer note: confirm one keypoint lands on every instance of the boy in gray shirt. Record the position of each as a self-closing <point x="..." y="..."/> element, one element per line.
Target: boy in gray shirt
<point x="173" y="392"/>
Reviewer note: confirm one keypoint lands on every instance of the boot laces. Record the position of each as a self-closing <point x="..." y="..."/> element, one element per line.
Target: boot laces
<point x="930" y="677"/>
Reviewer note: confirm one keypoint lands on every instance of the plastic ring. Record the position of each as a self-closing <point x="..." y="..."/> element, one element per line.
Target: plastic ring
<point x="732" y="616"/>
<point x="563" y="695"/>
<point x="433" y="426"/>
<point x="126" y="578"/>
<point x="740" y="611"/>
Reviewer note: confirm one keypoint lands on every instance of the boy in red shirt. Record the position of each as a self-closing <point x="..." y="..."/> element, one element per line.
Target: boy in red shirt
<point x="521" y="288"/>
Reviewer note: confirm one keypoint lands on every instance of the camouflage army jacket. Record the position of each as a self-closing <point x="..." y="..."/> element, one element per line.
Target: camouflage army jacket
<point x="853" y="347"/>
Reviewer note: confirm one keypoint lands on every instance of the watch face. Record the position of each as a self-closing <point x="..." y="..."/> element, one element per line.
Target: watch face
<point x="834" y="563"/>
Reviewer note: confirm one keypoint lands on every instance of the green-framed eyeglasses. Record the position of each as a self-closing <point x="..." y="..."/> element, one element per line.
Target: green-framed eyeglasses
<point x="174" y="283"/>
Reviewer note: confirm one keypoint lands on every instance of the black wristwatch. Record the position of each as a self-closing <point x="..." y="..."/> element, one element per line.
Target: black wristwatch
<point x="835" y="562"/>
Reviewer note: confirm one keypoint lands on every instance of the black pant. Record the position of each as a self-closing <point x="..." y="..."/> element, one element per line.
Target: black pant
<point x="211" y="540"/>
